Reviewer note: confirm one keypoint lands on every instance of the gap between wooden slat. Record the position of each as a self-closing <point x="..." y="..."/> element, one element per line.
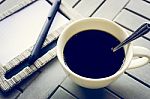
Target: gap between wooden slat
<point x="146" y="1"/>
<point x="146" y="38"/>
<point x="121" y="10"/>
<point x="69" y="92"/>
<point x="76" y="3"/>
<point x="53" y="92"/>
<point x="97" y="8"/>
<point x="135" y="78"/>
<point x="137" y="14"/>
<point x="113" y="92"/>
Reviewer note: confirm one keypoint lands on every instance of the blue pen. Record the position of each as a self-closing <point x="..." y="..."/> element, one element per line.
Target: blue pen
<point x="42" y="36"/>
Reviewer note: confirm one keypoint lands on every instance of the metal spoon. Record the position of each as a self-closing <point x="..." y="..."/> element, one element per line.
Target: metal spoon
<point x="142" y="30"/>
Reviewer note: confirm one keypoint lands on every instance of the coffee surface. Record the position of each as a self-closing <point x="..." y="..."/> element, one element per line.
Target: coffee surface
<point x="89" y="54"/>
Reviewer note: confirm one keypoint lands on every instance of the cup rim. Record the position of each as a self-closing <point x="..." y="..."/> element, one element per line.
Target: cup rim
<point x="129" y="52"/>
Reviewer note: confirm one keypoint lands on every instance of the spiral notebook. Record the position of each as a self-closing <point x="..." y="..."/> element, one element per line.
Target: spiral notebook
<point x="17" y="37"/>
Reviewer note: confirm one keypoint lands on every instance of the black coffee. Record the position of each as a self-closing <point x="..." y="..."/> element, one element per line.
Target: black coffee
<point x="89" y="54"/>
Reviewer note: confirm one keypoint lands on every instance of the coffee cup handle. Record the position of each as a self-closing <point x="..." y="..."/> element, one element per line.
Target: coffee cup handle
<point x="143" y="55"/>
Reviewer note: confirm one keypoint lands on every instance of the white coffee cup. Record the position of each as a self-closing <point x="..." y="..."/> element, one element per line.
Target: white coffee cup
<point x="116" y="31"/>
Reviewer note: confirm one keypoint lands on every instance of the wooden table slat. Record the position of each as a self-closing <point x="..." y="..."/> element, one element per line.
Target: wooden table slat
<point x="84" y="93"/>
<point x="129" y="88"/>
<point x="110" y="8"/>
<point x="130" y="20"/>
<point x="141" y="74"/>
<point x="140" y="7"/>
<point x="61" y="93"/>
<point x="87" y="7"/>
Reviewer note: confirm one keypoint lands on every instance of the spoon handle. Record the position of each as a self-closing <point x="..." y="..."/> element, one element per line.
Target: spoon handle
<point x="142" y="30"/>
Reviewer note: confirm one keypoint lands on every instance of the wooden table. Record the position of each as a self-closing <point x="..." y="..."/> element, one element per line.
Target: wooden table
<point x="51" y="81"/>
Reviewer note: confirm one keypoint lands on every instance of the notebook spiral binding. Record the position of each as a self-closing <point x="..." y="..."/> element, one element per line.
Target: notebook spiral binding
<point x="15" y="8"/>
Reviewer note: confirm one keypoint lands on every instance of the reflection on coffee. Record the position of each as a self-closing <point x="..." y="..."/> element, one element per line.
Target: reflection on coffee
<point x="88" y="53"/>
